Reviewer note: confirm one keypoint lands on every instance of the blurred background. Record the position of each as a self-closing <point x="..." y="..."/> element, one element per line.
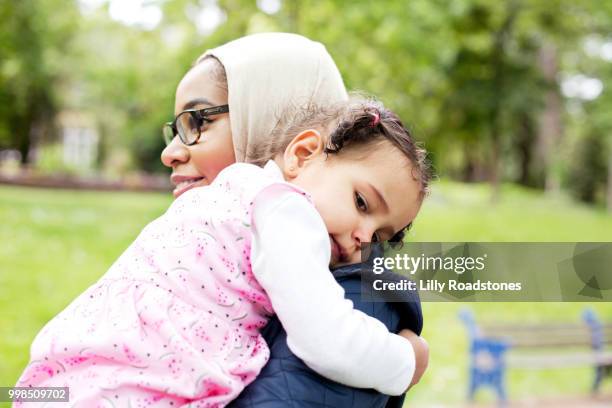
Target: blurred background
<point x="512" y="99"/>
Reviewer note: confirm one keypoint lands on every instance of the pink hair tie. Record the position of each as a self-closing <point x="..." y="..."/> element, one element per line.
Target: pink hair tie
<point x="375" y="119"/>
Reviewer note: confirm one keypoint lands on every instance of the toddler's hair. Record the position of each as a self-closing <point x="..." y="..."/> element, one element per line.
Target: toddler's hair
<point x="367" y="121"/>
<point x="349" y="125"/>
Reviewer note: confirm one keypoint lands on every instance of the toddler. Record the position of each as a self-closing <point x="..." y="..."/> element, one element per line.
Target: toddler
<point x="176" y="319"/>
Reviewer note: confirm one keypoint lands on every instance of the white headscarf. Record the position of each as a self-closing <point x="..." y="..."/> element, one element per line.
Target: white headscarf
<point x="268" y="72"/>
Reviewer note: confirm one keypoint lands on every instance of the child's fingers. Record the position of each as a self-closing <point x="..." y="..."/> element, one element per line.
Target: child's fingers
<point x="421" y="354"/>
<point x="422" y="361"/>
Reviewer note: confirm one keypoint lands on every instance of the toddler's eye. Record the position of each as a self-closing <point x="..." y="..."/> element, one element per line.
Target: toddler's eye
<point x="360" y="202"/>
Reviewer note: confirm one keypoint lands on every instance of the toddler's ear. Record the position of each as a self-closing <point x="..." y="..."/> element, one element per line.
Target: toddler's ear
<point x="301" y="151"/>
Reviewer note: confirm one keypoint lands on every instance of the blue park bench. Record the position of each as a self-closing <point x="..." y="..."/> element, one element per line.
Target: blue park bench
<point x="496" y="347"/>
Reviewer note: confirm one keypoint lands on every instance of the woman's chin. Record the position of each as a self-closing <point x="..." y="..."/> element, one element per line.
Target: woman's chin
<point x="183" y="187"/>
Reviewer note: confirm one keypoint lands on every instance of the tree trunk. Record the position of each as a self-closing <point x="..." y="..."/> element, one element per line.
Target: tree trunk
<point x="468" y="163"/>
<point x="294" y="15"/>
<point x="499" y="68"/>
<point x="21" y="127"/>
<point x="550" y="126"/>
<point x="524" y="147"/>
<point x="609" y="185"/>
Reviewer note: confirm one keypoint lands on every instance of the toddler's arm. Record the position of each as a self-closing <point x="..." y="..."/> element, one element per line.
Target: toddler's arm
<point x="290" y="257"/>
<point x="421" y="353"/>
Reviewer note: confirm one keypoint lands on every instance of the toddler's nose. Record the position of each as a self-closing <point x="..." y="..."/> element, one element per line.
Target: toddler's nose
<point x="361" y="235"/>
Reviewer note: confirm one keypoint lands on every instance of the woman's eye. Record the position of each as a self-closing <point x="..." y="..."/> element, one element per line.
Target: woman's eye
<point x="205" y="122"/>
<point x="192" y="124"/>
<point x="360" y="202"/>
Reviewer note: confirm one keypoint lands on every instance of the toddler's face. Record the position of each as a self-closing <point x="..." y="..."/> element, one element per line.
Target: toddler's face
<point x="199" y="164"/>
<point x="363" y="196"/>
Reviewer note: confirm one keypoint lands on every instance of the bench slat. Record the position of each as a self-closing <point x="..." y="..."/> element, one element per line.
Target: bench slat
<point x="549" y="343"/>
<point x="535" y="327"/>
<point x="559" y="360"/>
<point x="542" y="341"/>
<point x="577" y="335"/>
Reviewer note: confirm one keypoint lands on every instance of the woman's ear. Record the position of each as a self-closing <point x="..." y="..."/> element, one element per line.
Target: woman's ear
<point x="302" y="150"/>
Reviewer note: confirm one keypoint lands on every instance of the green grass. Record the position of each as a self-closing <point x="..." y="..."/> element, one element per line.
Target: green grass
<point x="55" y="243"/>
<point x="459" y="212"/>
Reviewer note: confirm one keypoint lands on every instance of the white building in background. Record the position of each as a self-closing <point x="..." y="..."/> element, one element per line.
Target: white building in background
<point x="79" y="138"/>
<point x="80" y="146"/>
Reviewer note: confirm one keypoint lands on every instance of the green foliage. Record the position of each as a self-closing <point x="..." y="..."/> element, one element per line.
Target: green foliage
<point x="467" y="75"/>
<point x="50" y="160"/>
<point x="55" y="244"/>
<point x="34" y="36"/>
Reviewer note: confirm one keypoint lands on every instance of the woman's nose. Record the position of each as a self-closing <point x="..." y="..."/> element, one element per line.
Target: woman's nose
<point x="175" y="153"/>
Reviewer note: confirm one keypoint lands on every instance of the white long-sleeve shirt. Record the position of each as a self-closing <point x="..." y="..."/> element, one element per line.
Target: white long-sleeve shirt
<point x="290" y="259"/>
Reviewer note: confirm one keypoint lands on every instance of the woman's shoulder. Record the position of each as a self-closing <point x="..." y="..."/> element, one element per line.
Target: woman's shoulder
<point x="240" y="170"/>
<point x="249" y="175"/>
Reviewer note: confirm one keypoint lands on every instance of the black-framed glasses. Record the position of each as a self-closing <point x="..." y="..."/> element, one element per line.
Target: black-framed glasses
<point x="190" y="124"/>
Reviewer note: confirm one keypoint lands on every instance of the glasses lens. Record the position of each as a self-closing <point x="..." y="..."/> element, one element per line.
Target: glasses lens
<point x="168" y="133"/>
<point x="188" y="128"/>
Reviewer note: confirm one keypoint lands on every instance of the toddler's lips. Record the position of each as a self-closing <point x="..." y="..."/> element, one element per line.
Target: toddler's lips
<point x="183" y="183"/>
<point x="337" y="254"/>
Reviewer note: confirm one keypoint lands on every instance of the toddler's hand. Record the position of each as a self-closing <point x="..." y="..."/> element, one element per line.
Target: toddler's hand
<point x="421" y="354"/>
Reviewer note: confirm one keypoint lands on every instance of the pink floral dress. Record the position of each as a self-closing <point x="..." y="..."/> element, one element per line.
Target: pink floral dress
<point x="176" y="319"/>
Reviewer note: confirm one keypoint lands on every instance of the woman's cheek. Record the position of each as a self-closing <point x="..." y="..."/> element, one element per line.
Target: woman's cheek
<point x="210" y="160"/>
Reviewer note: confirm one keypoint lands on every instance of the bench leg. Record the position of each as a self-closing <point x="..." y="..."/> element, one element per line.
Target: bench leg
<point x="601" y="372"/>
<point x="598" y="378"/>
<point x="500" y="388"/>
<point x="495" y="380"/>
<point x="473" y="386"/>
<point x="597" y="343"/>
<point x="488" y="367"/>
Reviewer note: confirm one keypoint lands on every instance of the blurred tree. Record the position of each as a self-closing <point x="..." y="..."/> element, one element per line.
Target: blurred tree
<point x="34" y="35"/>
<point x="590" y="170"/>
<point x="479" y="81"/>
<point x="129" y="73"/>
<point x="482" y="80"/>
<point x="589" y="173"/>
